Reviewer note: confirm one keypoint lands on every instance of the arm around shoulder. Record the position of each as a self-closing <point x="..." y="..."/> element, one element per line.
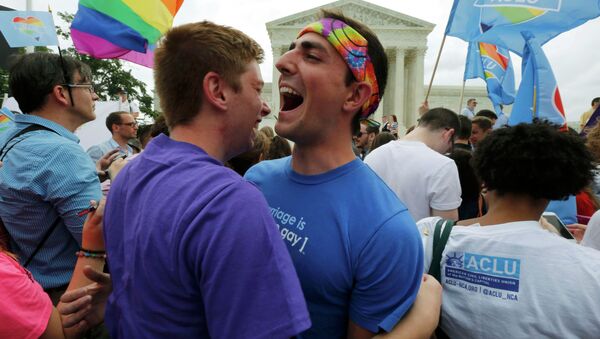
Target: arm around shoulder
<point x="388" y="275"/>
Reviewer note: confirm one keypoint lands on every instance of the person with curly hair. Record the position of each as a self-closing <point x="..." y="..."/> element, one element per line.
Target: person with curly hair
<point x="502" y="274"/>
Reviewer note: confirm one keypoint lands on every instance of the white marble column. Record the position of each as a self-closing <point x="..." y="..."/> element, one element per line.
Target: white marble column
<point x="398" y="88"/>
<point x="275" y="81"/>
<point x="409" y="105"/>
<point x="419" y="82"/>
<point x="389" y="91"/>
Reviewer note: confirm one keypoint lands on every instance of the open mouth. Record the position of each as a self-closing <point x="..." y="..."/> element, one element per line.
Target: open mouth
<point x="291" y="99"/>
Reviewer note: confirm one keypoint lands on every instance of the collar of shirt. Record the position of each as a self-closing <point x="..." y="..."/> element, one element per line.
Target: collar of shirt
<point x="113" y="144"/>
<point x="24" y="120"/>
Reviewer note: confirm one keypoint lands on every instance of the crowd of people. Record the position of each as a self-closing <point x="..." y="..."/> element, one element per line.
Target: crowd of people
<point x="212" y="228"/>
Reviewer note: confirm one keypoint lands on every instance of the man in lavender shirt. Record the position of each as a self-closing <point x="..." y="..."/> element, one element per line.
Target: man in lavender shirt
<point x="192" y="248"/>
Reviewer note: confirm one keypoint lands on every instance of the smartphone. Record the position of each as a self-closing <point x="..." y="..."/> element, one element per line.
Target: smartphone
<point x="558" y="224"/>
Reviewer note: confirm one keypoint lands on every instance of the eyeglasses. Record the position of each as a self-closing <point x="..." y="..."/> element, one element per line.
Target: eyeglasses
<point x="130" y="124"/>
<point x="359" y="134"/>
<point x="90" y="87"/>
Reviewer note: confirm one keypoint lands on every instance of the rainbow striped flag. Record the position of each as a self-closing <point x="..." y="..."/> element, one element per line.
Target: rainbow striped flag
<point x="122" y="29"/>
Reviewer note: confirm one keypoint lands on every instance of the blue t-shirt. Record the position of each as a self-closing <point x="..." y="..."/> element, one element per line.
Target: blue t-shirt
<point x="194" y="253"/>
<point x="355" y="247"/>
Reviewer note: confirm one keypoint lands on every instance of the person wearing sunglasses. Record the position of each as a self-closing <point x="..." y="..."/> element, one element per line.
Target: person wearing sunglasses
<point x="122" y="127"/>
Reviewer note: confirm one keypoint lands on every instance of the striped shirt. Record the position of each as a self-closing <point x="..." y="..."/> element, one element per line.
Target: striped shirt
<point x="45" y="176"/>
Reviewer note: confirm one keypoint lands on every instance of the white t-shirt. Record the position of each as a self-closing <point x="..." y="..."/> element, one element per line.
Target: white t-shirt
<point x="516" y="280"/>
<point x="591" y="237"/>
<point x="128" y="106"/>
<point x="422" y="178"/>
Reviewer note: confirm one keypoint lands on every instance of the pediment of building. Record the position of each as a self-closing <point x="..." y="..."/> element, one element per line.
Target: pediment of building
<point x="372" y="15"/>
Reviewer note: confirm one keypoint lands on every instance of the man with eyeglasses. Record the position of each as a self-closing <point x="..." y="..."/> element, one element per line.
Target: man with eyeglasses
<point x="46" y="178"/>
<point x="123" y="127"/>
<point x="416" y="169"/>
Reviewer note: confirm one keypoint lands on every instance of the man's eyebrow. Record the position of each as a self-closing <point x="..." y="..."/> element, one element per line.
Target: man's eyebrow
<point x="308" y="45"/>
<point x="312" y="45"/>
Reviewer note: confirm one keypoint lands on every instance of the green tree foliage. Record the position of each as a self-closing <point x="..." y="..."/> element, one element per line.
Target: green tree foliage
<point x="109" y="74"/>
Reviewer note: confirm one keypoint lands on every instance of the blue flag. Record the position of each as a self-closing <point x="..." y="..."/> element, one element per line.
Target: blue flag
<point x="501" y="22"/>
<point x="538" y="95"/>
<point x="492" y="64"/>
<point x="28" y="28"/>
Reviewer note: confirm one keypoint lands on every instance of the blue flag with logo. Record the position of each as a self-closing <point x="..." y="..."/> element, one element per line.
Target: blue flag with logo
<point x="492" y="64"/>
<point x="538" y="95"/>
<point x="28" y="28"/>
<point x="501" y="22"/>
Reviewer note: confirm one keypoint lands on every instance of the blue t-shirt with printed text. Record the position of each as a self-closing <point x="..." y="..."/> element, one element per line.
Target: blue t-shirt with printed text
<point x="355" y="247"/>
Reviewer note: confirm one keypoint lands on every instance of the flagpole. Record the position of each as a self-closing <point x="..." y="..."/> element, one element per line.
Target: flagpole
<point x="29" y="7"/>
<point x="437" y="61"/>
<point x="462" y="96"/>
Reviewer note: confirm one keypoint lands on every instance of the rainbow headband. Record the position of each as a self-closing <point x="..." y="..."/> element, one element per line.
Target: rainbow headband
<point x="353" y="48"/>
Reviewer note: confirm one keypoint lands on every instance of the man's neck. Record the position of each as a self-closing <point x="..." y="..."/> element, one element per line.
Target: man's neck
<point x="462" y="141"/>
<point x="120" y="140"/>
<point x="323" y="157"/>
<point x="419" y="134"/>
<point x="62" y="118"/>
<point x="204" y="134"/>
<point x="507" y="208"/>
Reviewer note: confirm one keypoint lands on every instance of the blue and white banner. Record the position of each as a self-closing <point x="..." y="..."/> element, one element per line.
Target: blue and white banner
<point x="28" y="28"/>
<point x="500" y="22"/>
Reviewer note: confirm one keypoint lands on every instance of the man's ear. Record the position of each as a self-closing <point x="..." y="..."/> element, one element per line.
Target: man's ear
<point x="451" y="133"/>
<point x="361" y="92"/>
<point x="61" y="95"/>
<point x="213" y="86"/>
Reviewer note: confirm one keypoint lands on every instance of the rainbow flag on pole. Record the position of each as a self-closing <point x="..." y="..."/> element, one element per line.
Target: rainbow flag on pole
<point x="122" y="29"/>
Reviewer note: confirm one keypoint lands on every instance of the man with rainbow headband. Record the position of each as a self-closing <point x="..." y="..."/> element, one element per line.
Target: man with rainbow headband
<point x="354" y="245"/>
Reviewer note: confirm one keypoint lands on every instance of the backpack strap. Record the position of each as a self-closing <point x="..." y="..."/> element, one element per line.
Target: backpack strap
<point x="26" y="130"/>
<point x="440" y="238"/>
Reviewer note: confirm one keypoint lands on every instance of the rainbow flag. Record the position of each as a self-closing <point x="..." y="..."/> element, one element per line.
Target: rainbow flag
<point x="122" y="29"/>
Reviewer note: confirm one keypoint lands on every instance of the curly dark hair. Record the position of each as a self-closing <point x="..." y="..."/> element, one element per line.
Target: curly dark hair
<point x="535" y="160"/>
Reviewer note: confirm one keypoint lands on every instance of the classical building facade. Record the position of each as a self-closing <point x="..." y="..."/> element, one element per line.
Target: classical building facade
<point x="405" y="41"/>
